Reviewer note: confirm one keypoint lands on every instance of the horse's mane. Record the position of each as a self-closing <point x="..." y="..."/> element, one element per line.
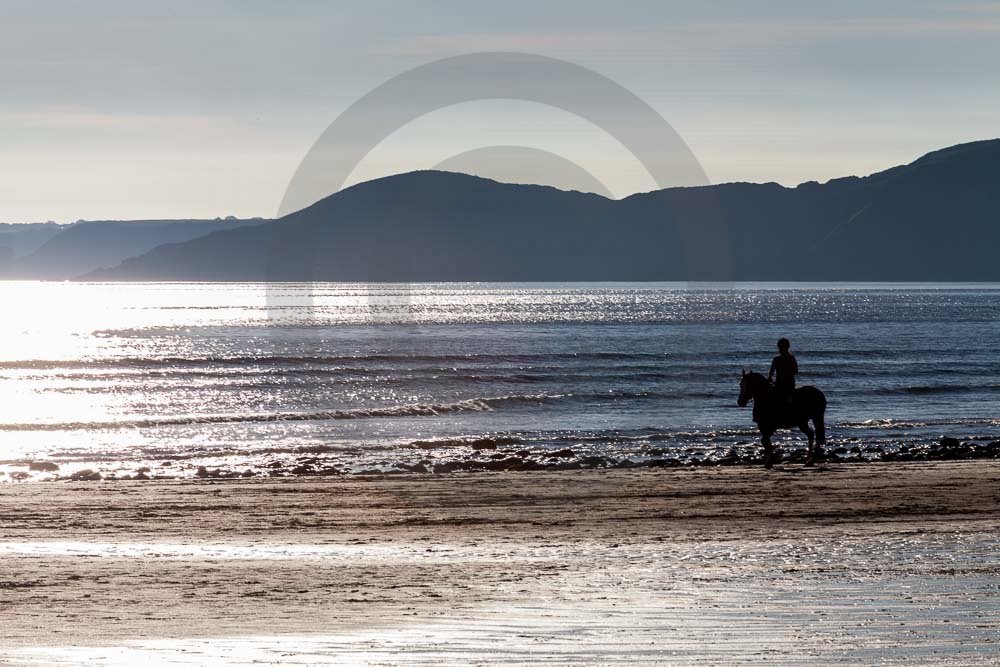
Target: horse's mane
<point x="757" y="381"/>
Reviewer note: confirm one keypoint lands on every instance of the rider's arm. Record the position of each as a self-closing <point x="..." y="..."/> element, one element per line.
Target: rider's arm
<point x="770" y="373"/>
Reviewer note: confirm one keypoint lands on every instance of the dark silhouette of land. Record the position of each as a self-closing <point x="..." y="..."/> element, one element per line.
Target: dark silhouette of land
<point x="933" y="219"/>
<point x="19" y="240"/>
<point x="49" y="251"/>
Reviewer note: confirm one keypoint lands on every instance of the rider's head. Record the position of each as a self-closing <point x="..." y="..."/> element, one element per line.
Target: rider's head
<point x="783" y="345"/>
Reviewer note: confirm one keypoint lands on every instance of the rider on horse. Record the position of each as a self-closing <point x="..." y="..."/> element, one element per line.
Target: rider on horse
<point x="785" y="368"/>
<point x="779" y="404"/>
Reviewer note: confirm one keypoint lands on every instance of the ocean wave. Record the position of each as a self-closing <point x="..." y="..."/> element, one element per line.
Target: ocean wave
<point x="409" y="410"/>
<point x="292" y="360"/>
<point x="489" y="404"/>
<point x="942" y="389"/>
<point x="476" y="442"/>
<point x="653" y="435"/>
<point x="911" y="424"/>
<point x="711" y="359"/>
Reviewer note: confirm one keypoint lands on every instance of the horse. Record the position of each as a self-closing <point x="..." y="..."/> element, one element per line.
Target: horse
<point x="771" y="413"/>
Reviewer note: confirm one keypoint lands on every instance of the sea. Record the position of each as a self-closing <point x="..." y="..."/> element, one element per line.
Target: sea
<point x="174" y="380"/>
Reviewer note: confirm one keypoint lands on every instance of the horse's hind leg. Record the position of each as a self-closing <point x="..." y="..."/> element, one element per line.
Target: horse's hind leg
<point x="765" y="439"/>
<point x="804" y="427"/>
<point x="820" y="436"/>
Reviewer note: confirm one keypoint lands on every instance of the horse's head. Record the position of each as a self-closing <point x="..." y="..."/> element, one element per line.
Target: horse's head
<point x="749" y="386"/>
<point x="744" y="396"/>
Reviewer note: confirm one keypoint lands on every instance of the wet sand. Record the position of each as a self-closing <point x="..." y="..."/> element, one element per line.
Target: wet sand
<point x="846" y="564"/>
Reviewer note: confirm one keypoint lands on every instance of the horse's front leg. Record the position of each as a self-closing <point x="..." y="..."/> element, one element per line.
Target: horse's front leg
<point x="765" y="439"/>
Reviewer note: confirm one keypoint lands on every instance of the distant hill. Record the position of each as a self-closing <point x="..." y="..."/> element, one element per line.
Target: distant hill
<point x="18" y="240"/>
<point x="82" y="247"/>
<point x="933" y="219"/>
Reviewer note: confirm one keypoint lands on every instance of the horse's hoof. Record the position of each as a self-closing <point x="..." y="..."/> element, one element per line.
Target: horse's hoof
<point x="810" y="463"/>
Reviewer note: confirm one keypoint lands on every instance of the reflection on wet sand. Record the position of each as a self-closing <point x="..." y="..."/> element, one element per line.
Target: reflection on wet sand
<point x="851" y="565"/>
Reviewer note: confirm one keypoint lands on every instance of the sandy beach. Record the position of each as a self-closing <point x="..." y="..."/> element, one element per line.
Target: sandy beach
<point x="844" y="564"/>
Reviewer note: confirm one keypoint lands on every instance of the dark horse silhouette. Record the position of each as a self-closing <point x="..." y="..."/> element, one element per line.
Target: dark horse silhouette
<point x="771" y="413"/>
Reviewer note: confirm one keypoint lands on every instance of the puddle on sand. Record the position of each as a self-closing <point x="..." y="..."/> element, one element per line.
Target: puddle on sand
<point x="928" y="600"/>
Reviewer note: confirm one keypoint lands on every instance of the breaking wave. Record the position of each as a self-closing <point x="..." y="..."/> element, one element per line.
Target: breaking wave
<point x="410" y="410"/>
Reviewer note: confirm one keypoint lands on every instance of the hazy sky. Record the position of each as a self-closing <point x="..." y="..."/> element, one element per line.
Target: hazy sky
<point x="204" y="109"/>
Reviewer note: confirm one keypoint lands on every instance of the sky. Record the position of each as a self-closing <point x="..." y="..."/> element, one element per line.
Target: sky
<point x="140" y="110"/>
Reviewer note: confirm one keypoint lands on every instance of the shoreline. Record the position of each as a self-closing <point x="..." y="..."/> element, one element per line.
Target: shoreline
<point x="841" y="564"/>
<point x="484" y="455"/>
